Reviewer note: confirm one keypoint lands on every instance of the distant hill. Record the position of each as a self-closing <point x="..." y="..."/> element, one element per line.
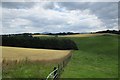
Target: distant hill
<point x="62" y="33"/>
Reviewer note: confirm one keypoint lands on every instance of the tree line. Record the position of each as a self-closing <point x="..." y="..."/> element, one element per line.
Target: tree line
<point x="27" y="41"/>
<point x="110" y="31"/>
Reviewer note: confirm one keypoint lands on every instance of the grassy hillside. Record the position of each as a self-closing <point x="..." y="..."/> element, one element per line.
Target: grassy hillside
<point x="97" y="57"/>
<point x="26" y="70"/>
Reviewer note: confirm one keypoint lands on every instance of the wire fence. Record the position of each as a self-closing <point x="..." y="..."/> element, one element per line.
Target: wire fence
<point x="57" y="71"/>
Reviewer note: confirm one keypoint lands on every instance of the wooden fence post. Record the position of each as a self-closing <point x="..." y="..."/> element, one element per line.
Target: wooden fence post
<point x="55" y="74"/>
<point x="55" y="71"/>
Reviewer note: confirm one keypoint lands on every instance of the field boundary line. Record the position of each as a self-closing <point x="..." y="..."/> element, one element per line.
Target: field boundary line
<point x="58" y="70"/>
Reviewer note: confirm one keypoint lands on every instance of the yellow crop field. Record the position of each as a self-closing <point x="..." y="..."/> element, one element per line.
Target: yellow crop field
<point x="81" y="35"/>
<point x="15" y="53"/>
<point x="41" y="35"/>
<point x="75" y="35"/>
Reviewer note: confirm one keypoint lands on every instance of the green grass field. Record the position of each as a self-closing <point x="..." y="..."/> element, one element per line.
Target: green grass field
<point x="27" y="70"/>
<point x="97" y="57"/>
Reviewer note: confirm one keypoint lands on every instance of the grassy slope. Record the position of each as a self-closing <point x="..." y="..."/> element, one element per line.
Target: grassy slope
<point x="27" y="70"/>
<point x="97" y="57"/>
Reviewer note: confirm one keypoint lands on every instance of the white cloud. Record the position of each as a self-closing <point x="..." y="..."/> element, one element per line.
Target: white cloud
<point x="18" y="22"/>
<point x="57" y="19"/>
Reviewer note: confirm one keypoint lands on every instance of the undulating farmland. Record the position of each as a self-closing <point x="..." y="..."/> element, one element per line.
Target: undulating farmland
<point x="97" y="57"/>
<point x="30" y="63"/>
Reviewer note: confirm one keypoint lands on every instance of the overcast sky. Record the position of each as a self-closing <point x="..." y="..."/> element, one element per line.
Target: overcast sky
<point x="21" y="17"/>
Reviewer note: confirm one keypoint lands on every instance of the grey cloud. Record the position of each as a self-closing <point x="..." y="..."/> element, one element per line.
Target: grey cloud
<point x="43" y="22"/>
<point x="17" y="5"/>
<point x="49" y="5"/>
<point x="74" y="5"/>
<point x="106" y="11"/>
<point x="101" y="9"/>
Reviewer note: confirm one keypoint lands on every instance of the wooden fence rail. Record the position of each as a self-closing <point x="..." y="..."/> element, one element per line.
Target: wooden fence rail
<point x="55" y="74"/>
